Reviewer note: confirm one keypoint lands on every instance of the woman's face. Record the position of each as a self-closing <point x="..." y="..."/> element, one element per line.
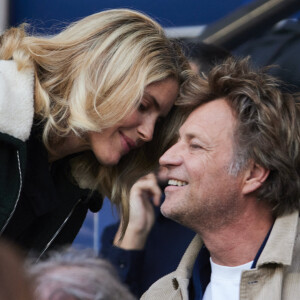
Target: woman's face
<point x="137" y="128"/>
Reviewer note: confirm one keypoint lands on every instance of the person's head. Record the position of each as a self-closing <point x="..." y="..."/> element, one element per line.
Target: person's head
<point x="14" y="282"/>
<point x="105" y="79"/>
<point x="97" y="72"/>
<point x="203" y="57"/>
<point x="76" y="274"/>
<point x="241" y="142"/>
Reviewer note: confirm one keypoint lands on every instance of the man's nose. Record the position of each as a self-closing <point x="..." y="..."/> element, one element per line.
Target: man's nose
<point x="171" y="156"/>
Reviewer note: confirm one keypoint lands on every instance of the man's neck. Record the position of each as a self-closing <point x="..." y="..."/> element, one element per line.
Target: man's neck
<point x="238" y="242"/>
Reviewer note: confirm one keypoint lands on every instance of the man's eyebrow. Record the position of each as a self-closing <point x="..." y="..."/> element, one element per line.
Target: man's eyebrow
<point x="191" y="135"/>
<point x="187" y="135"/>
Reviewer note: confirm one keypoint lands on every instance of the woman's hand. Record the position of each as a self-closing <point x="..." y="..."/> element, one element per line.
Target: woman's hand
<point x="143" y="194"/>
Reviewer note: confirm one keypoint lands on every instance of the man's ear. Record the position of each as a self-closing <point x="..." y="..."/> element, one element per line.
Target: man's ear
<point x="254" y="177"/>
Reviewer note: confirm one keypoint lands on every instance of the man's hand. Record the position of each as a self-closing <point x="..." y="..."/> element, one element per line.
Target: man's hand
<point x="143" y="194"/>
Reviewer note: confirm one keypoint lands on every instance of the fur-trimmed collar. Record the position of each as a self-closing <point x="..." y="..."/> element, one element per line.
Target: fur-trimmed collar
<point x="16" y="100"/>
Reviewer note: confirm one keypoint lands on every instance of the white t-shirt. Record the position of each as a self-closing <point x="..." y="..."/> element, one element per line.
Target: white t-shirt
<point x="225" y="282"/>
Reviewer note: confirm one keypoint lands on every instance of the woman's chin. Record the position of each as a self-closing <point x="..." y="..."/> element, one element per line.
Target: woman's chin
<point x="109" y="161"/>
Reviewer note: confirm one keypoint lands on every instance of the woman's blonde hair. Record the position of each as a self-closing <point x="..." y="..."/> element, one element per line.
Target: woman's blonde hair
<point x="89" y="77"/>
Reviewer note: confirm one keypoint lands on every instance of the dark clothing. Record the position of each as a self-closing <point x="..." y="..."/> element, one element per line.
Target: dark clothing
<point x="279" y="47"/>
<point x="201" y="275"/>
<point x="47" y="199"/>
<point x="165" y="246"/>
<point x="40" y="208"/>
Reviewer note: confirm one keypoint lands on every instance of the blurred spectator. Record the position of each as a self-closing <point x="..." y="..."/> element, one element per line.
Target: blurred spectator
<point x="279" y="46"/>
<point x="202" y="57"/>
<point x="14" y="284"/>
<point x="76" y="274"/>
<point x="153" y="245"/>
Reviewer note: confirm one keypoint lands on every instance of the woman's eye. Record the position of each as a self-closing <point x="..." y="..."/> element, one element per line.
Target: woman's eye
<point x="142" y="107"/>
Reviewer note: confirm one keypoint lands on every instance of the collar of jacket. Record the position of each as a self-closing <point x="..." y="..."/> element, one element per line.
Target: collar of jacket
<point x="16" y="100"/>
<point x="283" y="232"/>
<point x="185" y="268"/>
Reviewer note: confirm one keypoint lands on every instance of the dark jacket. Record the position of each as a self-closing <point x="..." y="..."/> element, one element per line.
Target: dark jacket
<point x="40" y="208"/>
<point x="279" y="47"/>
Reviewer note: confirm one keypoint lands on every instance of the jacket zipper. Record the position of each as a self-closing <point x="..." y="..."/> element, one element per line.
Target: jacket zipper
<point x="59" y="230"/>
<point x="16" y="203"/>
<point x="18" y="197"/>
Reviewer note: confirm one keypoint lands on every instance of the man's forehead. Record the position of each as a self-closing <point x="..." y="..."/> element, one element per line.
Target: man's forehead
<point x="213" y="116"/>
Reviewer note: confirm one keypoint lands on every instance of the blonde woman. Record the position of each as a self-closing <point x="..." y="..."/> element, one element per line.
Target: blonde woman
<point x="75" y="112"/>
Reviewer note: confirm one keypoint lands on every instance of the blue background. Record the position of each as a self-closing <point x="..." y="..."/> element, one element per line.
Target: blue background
<point x="169" y="13"/>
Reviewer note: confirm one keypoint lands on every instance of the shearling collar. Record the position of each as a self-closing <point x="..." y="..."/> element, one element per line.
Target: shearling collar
<point x="16" y="100"/>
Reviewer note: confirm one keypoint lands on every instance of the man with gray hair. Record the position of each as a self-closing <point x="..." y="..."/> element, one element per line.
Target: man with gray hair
<point x="72" y="274"/>
<point x="234" y="178"/>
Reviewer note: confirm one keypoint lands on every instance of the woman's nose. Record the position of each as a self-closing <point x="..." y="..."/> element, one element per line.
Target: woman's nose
<point x="146" y="129"/>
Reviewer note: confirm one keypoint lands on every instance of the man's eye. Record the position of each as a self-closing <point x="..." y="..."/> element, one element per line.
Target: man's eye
<point x="195" y="146"/>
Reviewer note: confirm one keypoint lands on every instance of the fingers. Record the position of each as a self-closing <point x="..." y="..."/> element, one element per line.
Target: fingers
<point x="156" y="198"/>
<point x="147" y="187"/>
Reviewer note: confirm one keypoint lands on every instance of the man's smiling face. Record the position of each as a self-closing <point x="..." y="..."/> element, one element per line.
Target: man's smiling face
<point x="201" y="191"/>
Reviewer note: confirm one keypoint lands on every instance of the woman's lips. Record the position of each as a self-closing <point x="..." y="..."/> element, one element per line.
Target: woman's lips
<point x="127" y="143"/>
